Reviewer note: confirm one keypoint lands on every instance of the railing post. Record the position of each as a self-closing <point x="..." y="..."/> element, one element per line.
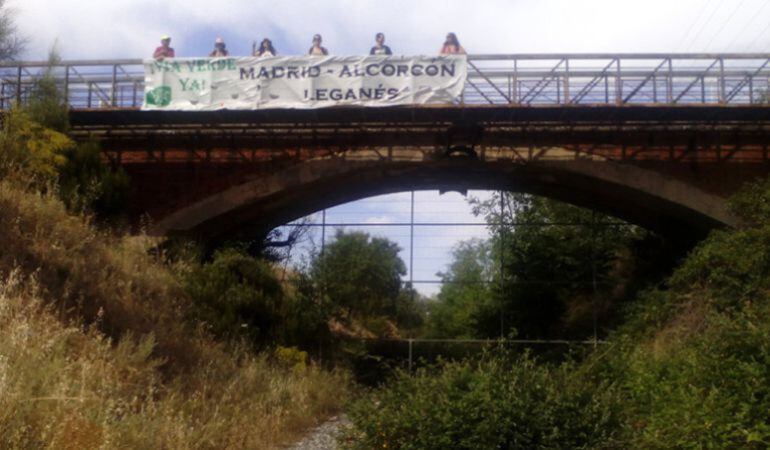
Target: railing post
<point x="722" y="83"/>
<point x="67" y="85"/>
<point x="670" y="83"/>
<point x="510" y="89"/>
<point x="114" y="96"/>
<point x="515" y="94"/>
<point x="566" y="81"/>
<point x="18" y="85"/>
<point x="89" y="94"/>
<point x="618" y="84"/>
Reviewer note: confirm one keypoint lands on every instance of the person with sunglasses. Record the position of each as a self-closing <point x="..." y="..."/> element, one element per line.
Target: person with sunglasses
<point x="317" y="49"/>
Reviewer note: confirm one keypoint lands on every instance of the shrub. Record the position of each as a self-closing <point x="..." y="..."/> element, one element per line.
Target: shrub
<point x="86" y="184"/>
<point x="29" y="152"/>
<point x="236" y="295"/>
<point x="494" y="403"/>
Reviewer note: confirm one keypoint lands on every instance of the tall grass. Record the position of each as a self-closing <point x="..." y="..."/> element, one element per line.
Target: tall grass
<point x="95" y="351"/>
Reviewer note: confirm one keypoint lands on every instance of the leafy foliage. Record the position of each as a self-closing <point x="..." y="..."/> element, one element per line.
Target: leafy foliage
<point x="361" y="273"/>
<point x="490" y="404"/>
<point x="752" y="203"/>
<point x="87" y="184"/>
<point x="690" y="368"/>
<point x="535" y="280"/>
<point x="466" y="298"/>
<point x="236" y="295"/>
<point x="30" y="151"/>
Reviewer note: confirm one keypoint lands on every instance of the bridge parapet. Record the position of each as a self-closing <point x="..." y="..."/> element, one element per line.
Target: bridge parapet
<point x="515" y="79"/>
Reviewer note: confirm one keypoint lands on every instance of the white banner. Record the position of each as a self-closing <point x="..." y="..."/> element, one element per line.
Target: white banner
<point x="206" y="84"/>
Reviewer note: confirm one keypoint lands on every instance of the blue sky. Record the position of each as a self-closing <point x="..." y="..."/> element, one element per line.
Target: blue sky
<point x="89" y="29"/>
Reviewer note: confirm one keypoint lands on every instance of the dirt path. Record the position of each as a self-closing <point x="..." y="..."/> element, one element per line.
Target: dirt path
<point x="324" y="436"/>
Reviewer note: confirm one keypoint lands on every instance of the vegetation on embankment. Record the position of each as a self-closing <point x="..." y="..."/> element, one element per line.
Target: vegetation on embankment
<point x="689" y="367"/>
<point x="96" y="350"/>
<point x="103" y="345"/>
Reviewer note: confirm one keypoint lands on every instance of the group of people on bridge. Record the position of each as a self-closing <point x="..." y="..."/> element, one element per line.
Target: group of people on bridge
<point x="451" y="46"/>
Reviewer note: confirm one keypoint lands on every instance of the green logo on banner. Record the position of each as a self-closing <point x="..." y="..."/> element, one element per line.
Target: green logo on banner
<point x="160" y="96"/>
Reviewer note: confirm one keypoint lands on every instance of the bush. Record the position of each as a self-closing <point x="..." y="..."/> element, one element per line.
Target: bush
<point x="236" y="295"/>
<point x="95" y="350"/>
<point x="86" y="184"/>
<point x="491" y="404"/>
<point x="701" y="382"/>
<point x="29" y="152"/>
<point x="690" y="368"/>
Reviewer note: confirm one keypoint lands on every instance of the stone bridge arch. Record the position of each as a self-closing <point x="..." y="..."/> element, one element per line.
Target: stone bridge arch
<point x="674" y="200"/>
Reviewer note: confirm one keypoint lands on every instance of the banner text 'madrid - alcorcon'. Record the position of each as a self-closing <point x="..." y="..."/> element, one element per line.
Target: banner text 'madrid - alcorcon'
<point x="302" y="82"/>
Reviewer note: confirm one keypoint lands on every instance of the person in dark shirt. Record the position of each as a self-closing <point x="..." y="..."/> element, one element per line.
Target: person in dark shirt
<point x="165" y="50"/>
<point x="266" y="49"/>
<point x="220" y="49"/>
<point x="380" y="48"/>
<point x="317" y="49"/>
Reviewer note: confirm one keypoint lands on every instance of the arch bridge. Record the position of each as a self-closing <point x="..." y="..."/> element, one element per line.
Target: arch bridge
<point x="660" y="140"/>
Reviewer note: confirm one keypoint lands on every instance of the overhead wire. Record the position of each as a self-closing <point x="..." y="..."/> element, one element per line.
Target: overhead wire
<point x="748" y="25"/>
<point x="692" y="25"/>
<point x="724" y="24"/>
<point x="759" y="37"/>
<point x="705" y="24"/>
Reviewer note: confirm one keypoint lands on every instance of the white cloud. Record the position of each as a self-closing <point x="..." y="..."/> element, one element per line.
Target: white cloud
<point x="130" y="28"/>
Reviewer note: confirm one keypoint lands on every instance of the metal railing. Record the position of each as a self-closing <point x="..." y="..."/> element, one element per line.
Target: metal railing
<point x="517" y="79"/>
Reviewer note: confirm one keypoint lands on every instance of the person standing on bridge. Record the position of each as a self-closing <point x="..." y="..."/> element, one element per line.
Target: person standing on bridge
<point x="452" y="46"/>
<point x="165" y="50"/>
<point x="317" y="49"/>
<point x="220" y="49"/>
<point x="380" y="48"/>
<point x="266" y="49"/>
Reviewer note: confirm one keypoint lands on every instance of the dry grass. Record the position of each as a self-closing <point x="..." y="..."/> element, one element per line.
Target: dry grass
<point x="135" y="375"/>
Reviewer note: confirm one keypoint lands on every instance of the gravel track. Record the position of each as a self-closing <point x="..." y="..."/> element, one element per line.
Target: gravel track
<point x="324" y="436"/>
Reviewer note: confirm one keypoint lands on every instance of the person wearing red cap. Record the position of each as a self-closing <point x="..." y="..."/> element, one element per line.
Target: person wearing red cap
<point x="165" y="50"/>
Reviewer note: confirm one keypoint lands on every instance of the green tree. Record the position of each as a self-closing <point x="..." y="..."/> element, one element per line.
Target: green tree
<point x="563" y="266"/>
<point x="532" y="280"/>
<point x="466" y="297"/>
<point x="237" y="295"/>
<point x="360" y="274"/>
